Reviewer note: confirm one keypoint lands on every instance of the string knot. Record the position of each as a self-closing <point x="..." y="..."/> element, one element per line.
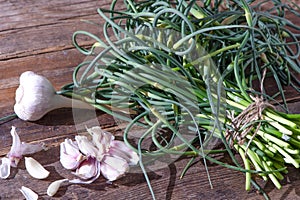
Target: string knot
<point x="244" y="123"/>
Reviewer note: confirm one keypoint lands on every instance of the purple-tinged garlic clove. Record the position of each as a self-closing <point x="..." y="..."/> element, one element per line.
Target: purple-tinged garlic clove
<point x="87" y="147"/>
<point x="101" y="139"/>
<point x="87" y="169"/>
<point x="113" y="168"/>
<point x="120" y="150"/>
<point x="70" y="156"/>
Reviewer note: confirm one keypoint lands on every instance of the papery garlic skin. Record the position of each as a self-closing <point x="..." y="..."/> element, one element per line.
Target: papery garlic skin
<point x="36" y="96"/>
<point x="17" y="150"/>
<point x="101" y="139"/>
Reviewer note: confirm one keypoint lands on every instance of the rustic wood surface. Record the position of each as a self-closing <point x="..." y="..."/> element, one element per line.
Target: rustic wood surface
<point x="36" y="35"/>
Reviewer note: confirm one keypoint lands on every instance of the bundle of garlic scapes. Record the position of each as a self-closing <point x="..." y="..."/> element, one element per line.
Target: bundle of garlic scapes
<point x="170" y="65"/>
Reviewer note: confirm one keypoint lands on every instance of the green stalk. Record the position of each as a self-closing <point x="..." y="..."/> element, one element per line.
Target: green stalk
<point x="247" y="167"/>
<point x="280" y="119"/>
<point x="203" y="58"/>
<point x="8" y="117"/>
<point x="287" y="156"/>
<point x="277" y="174"/>
<point x="273" y="139"/>
<point x="255" y="161"/>
<point x="272" y="176"/>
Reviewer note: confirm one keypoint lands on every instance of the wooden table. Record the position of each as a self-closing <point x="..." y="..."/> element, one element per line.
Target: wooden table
<point x="36" y="35"/>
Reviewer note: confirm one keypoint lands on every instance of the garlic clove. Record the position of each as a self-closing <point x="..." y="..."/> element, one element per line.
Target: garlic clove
<point x="121" y="150"/>
<point x="89" y="181"/>
<point x="113" y="168"/>
<point x="5" y="168"/>
<point x="28" y="193"/>
<point x="35" y="169"/>
<point x="54" y="186"/>
<point x="86" y="147"/>
<point x="101" y="139"/>
<point x="110" y="173"/>
<point x="87" y="169"/>
<point x="70" y="156"/>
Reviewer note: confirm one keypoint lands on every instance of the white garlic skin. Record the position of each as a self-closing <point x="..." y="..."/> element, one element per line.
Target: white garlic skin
<point x="36" y="96"/>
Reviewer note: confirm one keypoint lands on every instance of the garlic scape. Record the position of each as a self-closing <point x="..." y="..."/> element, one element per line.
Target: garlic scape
<point x="36" y="96"/>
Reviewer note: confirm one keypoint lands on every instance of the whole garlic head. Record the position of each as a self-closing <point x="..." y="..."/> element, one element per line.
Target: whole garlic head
<point x="36" y="96"/>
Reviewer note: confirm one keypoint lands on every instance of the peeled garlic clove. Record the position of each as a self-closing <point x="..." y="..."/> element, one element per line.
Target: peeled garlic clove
<point x="54" y="186"/>
<point x="35" y="169"/>
<point x="5" y="168"/>
<point x="28" y="193"/>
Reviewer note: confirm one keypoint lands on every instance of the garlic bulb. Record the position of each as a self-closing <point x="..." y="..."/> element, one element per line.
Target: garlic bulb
<point x="100" y="154"/>
<point x="36" y="96"/>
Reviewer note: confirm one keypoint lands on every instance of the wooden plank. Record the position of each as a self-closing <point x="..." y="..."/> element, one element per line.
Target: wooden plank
<point x="41" y="27"/>
<point x="60" y="63"/>
<point x="36" y="35"/>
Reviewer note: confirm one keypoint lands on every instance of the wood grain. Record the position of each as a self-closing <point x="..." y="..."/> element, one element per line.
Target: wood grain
<point x="36" y="35"/>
